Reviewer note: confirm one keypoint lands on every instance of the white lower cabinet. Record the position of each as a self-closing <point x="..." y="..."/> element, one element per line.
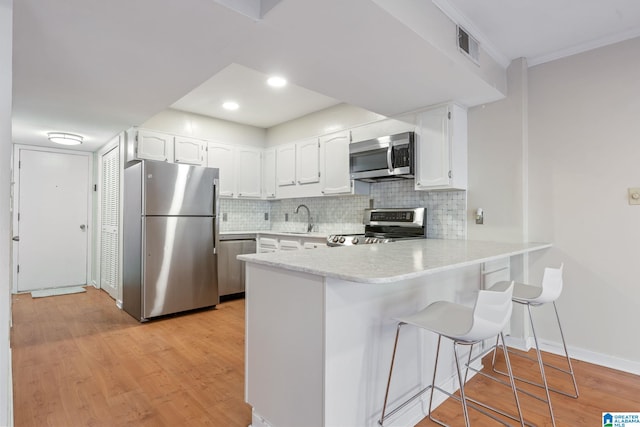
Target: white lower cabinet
<point x="268" y="242"/>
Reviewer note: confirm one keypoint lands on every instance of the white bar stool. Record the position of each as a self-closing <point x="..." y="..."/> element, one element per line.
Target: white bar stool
<point x="464" y="326"/>
<point x="529" y="296"/>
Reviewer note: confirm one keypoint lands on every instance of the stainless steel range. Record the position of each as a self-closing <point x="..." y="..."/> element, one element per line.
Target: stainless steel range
<point x="385" y="226"/>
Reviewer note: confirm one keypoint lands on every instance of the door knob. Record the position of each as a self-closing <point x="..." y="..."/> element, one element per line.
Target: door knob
<point x="16" y="238"/>
<point x="82" y="227"/>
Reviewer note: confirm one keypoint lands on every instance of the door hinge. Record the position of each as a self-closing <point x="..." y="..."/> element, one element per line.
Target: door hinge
<point x="18" y="268"/>
<point x="19" y="164"/>
<point x="318" y="174"/>
<point x="350" y="137"/>
<point x="450" y="174"/>
<point x="95" y="187"/>
<point x="136" y="137"/>
<point x="18" y="216"/>
<point x="449" y="115"/>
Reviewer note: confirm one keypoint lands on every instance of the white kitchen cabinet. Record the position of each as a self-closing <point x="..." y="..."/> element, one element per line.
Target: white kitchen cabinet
<point x="221" y="156"/>
<point x="269" y="173"/>
<point x="336" y="178"/>
<point x="274" y="242"/>
<point x="382" y="128"/>
<point x="267" y="244"/>
<point x="248" y="172"/>
<point x="285" y="244"/>
<point x="441" y="149"/>
<point x="308" y="161"/>
<point x="286" y="165"/>
<point x="152" y="145"/>
<point x="189" y="150"/>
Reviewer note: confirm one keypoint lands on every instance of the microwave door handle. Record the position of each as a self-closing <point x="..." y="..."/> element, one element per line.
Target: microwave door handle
<point x="390" y="158"/>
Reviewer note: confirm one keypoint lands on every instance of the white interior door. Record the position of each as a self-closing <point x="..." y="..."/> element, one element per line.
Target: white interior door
<point x="110" y="209"/>
<point x="52" y="219"/>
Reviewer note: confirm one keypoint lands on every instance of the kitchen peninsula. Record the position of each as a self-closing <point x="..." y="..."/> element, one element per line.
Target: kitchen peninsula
<point x="320" y="328"/>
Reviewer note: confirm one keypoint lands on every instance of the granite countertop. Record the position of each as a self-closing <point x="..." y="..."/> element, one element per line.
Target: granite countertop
<point x="391" y="262"/>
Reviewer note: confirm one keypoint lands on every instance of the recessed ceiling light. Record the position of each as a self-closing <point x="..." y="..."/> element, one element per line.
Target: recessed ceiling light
<point x="276" y="81"/>
<point x="64" y="138"/>
<point x="230" y="105"/>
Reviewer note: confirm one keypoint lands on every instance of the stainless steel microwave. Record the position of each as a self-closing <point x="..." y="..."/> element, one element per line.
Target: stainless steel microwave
<point x="384" y="158"/>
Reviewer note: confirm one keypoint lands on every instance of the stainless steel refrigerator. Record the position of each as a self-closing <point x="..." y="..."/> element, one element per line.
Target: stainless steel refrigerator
<point x="170" y="226"/>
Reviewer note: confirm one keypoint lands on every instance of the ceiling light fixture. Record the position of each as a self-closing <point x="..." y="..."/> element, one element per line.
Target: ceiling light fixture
<point x="64" y="138"/>
<point x="230" y="105"/>
<point x="276" y="81"/>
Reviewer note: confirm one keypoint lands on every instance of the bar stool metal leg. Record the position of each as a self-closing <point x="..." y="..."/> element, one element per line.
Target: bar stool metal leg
<point x="541" y="366"/>
<point x="566" y="355"/>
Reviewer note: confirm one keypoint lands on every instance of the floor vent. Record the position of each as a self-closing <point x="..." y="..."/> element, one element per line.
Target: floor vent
<point x="468" y="45"/>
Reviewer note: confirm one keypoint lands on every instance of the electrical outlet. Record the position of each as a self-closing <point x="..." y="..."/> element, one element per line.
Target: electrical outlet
<point x="634" y="196"/>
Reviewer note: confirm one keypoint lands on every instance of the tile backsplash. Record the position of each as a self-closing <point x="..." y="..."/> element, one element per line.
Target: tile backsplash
<point x="244" y="215"/>
<point x="446" y="211"/>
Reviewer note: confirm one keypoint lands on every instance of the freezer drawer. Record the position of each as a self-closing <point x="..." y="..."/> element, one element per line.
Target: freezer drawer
<point x="180" y="267"/>
<point x="230" y="270"/>
<point x="176" y="189"/>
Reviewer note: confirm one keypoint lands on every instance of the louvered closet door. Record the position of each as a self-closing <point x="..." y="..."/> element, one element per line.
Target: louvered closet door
<point x="109" y="232"/>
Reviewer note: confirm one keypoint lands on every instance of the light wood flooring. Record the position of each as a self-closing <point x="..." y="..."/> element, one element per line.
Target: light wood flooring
<point x="79" y="361"/>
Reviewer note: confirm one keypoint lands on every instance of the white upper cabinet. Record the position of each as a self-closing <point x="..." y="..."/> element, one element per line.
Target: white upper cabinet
<point x="308" y="161"/>
<point x="221" y="156"/>
<point x="248" y="176"/>
<point x="336" y="178"/>
<point x="441" y="149"/>
<point x="269" y="173"/>
<point x="152" y="145"/>
<point x="286" y="165"/>
<point x="189" y="150"/>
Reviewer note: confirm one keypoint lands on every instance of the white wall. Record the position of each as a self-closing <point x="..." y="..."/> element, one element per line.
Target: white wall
<point x="584" y="151"/>
<point x="6" y="41"/>
<point x="188" y="124"/>
<point x="552" y="162"/>
<point x="496" y="146"/>
<point x="332" y="119"/>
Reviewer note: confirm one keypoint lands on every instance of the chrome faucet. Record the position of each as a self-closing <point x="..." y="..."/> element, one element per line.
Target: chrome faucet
<point x="309" y="224"/>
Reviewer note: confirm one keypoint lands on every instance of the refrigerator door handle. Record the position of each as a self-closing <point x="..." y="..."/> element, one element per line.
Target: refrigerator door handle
<point x="216" y="217"/>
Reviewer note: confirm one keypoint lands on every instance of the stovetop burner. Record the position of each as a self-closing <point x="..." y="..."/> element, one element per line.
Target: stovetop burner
<point x="385" y="226"/>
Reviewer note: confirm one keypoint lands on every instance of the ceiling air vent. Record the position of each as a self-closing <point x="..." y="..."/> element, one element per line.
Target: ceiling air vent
<point x="468" y="45"/>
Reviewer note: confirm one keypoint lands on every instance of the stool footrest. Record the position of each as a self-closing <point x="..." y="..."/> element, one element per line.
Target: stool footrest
<point x="477" y="405"/>
<point x="403" y="404"/>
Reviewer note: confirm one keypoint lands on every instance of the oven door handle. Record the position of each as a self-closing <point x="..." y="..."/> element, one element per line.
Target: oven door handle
<point x="390" y="158"/>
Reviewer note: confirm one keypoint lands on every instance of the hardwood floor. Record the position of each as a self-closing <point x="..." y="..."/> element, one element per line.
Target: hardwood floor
<point x="79" y="361"/>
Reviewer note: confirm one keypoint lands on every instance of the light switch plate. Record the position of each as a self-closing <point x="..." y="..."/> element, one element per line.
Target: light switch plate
<point x="634" y="196"/>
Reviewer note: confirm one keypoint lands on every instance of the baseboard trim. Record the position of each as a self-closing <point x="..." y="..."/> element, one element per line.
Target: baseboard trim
<point x="577" y="353"/>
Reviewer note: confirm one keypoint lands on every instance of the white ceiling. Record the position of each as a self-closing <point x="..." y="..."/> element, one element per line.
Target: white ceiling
<point x="260" y="104"/>
<point x="544" y="30"/>
<point x="95" y="68"/>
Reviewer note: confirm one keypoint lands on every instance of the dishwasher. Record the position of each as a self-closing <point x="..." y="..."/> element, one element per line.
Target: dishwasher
<point x="230" y="269"/>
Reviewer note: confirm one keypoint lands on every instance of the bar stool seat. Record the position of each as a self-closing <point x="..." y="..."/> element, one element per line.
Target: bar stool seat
<point x="464" y="326"/>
